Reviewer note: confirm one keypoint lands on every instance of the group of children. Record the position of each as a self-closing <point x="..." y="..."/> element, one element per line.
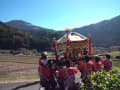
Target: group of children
<point x="93" y="64"/>
<point x="62" y="76"/>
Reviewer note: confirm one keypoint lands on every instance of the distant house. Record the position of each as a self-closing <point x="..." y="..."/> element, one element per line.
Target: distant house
<point x="20" y="54"/>
<point x="115" y="48"/>
<point x="17" y="52"/>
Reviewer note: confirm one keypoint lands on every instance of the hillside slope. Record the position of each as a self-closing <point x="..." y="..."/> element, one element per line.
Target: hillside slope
<point x="34" y="30"/>
<point x="12" y="38"/>
<point x="104" y="34"/>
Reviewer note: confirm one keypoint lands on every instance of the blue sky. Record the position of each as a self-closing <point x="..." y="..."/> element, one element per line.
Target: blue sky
<point x="59" y="14"/>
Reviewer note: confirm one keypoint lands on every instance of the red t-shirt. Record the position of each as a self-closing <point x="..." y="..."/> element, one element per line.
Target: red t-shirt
<point x="70" y="71"/>
<point x="81" y="67"/>
<point x="88" y="67"/>
<point x="107" y="64"/>
<point x="46" y="70"/>
<point x="97" y="66"/>
<point x="61" y="73"/>
<point x="85" y="67"/>
<point x="43" y="68"/>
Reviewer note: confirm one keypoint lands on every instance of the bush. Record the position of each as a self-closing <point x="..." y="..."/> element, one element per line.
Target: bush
<point x="117" y="57"/>
<point x="104" y="81"/>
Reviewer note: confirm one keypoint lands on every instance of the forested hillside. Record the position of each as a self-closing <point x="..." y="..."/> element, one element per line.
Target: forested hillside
<point x="13" y="38"/>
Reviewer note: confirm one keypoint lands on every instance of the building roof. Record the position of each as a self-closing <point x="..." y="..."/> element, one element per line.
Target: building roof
<point x="73" y="37"/>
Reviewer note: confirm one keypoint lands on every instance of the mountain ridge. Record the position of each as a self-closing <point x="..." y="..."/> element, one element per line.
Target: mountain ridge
<point x="21" y="24"/>
<point x="104" y="33"/>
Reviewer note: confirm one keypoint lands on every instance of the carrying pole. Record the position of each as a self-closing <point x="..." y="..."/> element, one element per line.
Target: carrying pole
<point x="67" y="44"/>
<point x="90" y="45"/>
<point x="55" y="50"/>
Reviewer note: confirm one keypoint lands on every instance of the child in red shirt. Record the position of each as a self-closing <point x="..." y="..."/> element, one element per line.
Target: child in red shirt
<point x="107" y="63"/>
<point x="85" y="68"/>
<point x="66" y="77"/>
<point x="97" y="64"/>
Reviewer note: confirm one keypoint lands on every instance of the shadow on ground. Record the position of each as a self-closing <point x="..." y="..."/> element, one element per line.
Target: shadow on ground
<point x="26" y="85"/>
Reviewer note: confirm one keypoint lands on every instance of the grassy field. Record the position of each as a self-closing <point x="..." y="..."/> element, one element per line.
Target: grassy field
<point x="25" y="67"/>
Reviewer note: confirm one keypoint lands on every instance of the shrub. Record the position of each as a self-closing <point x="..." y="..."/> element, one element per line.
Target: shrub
<point x="117" y="57"/>
<point x="104" y="81"/>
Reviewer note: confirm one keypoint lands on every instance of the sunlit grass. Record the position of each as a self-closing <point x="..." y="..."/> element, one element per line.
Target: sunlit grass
<point x="10" y="78"/>
<point x="14" y="78"/>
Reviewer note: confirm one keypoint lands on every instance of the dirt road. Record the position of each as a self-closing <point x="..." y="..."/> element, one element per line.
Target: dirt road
<point x="20" y="86"/>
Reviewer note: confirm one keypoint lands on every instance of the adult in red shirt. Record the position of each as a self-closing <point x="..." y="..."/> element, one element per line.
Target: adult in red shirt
<point x="43" y="64"/>
<point x="46" y="78"/>
<point x="107" y="63"/>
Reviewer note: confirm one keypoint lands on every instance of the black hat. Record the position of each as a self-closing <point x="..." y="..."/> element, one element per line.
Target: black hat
<point x="44" y="54"/>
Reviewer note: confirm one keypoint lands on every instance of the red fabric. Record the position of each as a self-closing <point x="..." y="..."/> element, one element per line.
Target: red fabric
<point x="55" y="51"/>
<point x="46" y="70"/>
<point x="91" y="62"/>
<point x="43" y="68"/>
<point x="97" y="66"/>
<point x="110" y="62"/>
<point x="100" y="62"/>
<point x="88" y="67"/>
<point x="67" y="49"/>
<point x="85" y="67"/>
<point x="81" y="67"/>
<point x="107" y="63"/>
<point x="40" y="61"/>
<point x="61" y="73"/>
<point x="39" y="64"/>
<point x="104" y="63"/>
<point x="90" y="45"/>
<point x="70" y="72"/>
<point x="74" y="68"/>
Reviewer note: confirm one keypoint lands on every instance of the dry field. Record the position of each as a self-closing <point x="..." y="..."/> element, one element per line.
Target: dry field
<point x="18" y="67"/>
